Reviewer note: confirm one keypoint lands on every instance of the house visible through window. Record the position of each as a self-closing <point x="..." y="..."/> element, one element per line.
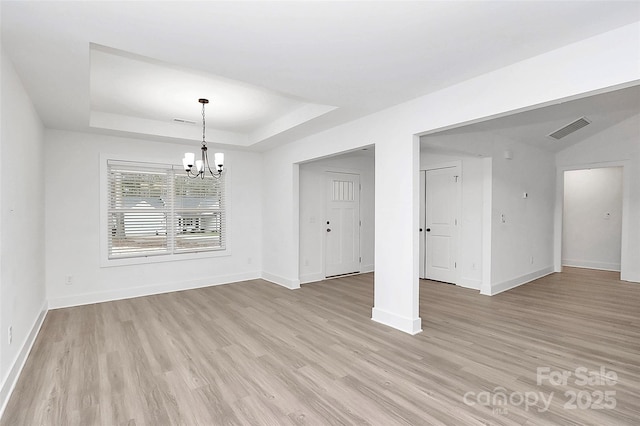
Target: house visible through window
<point x="156" y="210"/>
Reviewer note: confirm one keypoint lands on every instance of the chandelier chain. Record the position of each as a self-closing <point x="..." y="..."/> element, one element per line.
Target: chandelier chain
<point x="203" y="126"/>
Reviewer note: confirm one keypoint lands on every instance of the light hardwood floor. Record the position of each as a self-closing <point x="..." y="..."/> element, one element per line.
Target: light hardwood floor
<point x="254" y="353"/>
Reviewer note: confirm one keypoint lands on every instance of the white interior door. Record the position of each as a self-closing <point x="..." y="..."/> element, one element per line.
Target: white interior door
<point x="423" y="225"/>
<point x="441" y="223"/>
<point x="342" y="243"/>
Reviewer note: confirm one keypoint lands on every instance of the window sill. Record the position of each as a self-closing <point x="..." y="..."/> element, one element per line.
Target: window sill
<point x="107" y="263"/>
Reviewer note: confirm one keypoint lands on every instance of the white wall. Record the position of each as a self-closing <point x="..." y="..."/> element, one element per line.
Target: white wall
<point x="527" y="230"/>
<point x="469" y="258"/>
<point x="22" y="230"/>
<point x="589" y="65"/>
<point x="522" y="244"/>
<point x="592" y="219"/>
<point x="73" y="217"/>
<point x="616" y="146"/>
<point x="313" y="212"/>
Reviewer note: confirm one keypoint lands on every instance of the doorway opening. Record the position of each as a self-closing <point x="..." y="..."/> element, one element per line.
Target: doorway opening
<point x="439" y="217"/>
<point x="466" y="178"/>
<point x="592" y="218"/>
<point x="336" y="208"/>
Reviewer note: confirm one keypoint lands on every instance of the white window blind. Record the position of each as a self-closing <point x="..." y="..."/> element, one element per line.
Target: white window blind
<point x="156" y="210"/>
<point x="199" y="213"/>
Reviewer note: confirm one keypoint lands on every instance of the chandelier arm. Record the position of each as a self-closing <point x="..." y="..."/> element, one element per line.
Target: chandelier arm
<point x="191" y="175"/>
<point x="205" y="158"/>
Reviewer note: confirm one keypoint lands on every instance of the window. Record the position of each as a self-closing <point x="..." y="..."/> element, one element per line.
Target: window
<point x="157" y="210"/>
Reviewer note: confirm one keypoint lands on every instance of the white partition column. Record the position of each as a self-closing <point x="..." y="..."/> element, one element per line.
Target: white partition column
<point x="397" y="167"/>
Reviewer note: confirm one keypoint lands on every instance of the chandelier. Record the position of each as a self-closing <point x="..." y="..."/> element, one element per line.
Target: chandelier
<point x="202" y="165"/>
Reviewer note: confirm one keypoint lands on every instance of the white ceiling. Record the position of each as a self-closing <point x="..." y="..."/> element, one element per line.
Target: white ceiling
<point x="274" y="71"/>
<point x="128" y="90"/>
<point x="533" y="127"/>
<point x="138" y="87"/>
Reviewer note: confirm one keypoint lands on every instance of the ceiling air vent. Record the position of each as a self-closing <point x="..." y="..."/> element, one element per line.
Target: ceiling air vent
<point x="183" y="120"/>
<point x="569" y="128"/>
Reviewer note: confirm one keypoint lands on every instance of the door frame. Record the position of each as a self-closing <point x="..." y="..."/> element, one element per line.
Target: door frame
<point x="458" y="213"/>
<point x="559" y="211"/>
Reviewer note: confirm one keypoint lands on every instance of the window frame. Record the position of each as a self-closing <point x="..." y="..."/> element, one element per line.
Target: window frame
<point x="106" y="261"/>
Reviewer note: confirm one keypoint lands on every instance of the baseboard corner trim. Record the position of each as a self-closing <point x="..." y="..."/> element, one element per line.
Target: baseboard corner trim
<point x="408" y="325"/>
<point x="516" y="282"/>
<point x="284" y="282"/>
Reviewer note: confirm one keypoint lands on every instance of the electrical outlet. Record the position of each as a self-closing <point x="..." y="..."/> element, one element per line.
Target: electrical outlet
<point x="532" y="260"/>
<point x="68" y="280"/>
<point x="249" y="260"/>
<point x="10" y="334"/>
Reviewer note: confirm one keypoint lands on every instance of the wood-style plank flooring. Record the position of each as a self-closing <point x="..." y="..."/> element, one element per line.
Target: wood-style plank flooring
<point x="253" y="353"/>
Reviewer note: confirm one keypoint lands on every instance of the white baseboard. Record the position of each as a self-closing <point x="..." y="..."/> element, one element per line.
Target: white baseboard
<point x="284" y="282"/>
<point x="319" y="276"/>
<point x="605" y="266"/>
<point x="630" y="278"/>
<point x="367" y="268"/>
<point x="311" y="278"/>
<point x="515" y="282"/>
<point x="106" y="296"/>
<point x="408" y="325"/>
<point x="469" y="283"/>
<point x="18" y="364"/>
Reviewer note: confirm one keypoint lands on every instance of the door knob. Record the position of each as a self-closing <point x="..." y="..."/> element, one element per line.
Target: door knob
<point x="420" y="229"/>
<point x="428" y="229"/>
<point x="328" y="229"/>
